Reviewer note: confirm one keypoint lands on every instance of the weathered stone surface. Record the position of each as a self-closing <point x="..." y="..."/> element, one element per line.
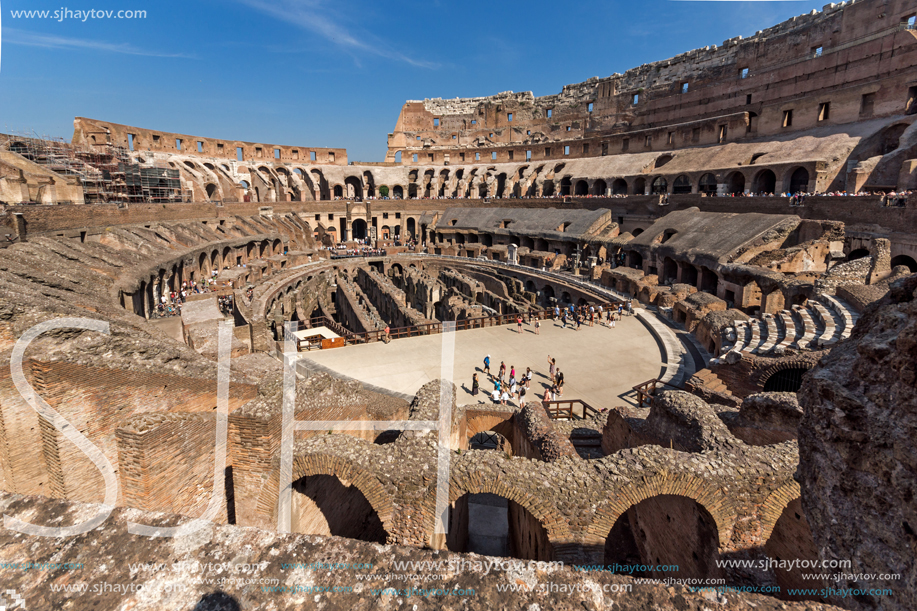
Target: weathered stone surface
<point x="858" y="450"/>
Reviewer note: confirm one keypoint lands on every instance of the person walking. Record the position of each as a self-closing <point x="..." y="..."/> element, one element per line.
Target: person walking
<point x="614" y="319"/>
<point x="487" y="365"/>
<point x="579" y="320"/>
<point x="551" y="366"/>
<point x="475" y="385"/>
<point x="537" y="327"/>
<point x="564" y="319"/>
<point x="512" y="372"/>
<point x="560" y="384"/>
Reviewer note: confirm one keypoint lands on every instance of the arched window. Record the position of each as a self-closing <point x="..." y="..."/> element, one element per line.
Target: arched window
<point x="660" y="186"/>
<point x="682" y="185"/>
<point x="707" y="184"/>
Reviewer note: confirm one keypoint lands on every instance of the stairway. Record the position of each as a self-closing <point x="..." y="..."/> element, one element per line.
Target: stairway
<point x="819" y="324"/>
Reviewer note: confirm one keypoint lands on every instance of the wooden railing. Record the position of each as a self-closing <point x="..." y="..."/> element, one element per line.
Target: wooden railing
<point x="437" y="327"/>
<point x="647" y="390"/>
<point x="566" y="409"/>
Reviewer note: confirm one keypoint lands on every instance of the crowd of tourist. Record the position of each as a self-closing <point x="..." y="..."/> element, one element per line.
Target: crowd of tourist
<point x="170" y="304"/>
<point x="509" y="387"/>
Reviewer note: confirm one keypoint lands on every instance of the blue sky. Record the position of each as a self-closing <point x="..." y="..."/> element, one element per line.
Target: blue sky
<point x="329" y="72"/>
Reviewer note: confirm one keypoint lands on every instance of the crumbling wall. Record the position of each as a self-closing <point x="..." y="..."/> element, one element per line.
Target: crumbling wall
<point x="858" y="452"/>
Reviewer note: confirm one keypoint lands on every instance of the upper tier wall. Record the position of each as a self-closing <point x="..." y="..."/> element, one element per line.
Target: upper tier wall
<point x="856" y="57"/>
<point x="91" y="132"/>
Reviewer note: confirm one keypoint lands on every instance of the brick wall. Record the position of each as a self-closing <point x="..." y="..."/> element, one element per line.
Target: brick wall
<point x="97" y="401"/>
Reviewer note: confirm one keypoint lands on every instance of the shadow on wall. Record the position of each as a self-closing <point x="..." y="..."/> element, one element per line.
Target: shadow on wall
<point x="218" y="601"/>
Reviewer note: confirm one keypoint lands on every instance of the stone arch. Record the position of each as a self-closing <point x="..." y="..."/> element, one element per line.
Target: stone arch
<point x="682" y="185"/>
<point x="769" y="372"/>
<point x="735" y="183"/>
<point x="707" y="184"/>
<point x="581" y="188"/>
<point x="554" y="523"/>
<point x="660" y="185"/>
<point x="774" y="504"/>
<point x="327" y="464"/>
<point x="599" y="187"/>
<point x="765" y="182"/>
<point x="619" y="187"/>
<point x="639" y="186"/>
<point x="905" y="260"/>
<point x="707" y="494"/>
<point x="798" y="180"/>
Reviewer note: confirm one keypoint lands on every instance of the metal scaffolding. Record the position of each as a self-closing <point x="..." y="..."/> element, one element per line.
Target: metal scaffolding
<point x="105" y="172"/>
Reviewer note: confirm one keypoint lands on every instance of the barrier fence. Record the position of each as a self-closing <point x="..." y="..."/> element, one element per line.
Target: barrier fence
<point x="351" y="338"/>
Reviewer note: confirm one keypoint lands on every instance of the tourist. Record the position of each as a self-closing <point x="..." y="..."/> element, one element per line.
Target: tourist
<point x="475" y="385"/>
<point x="614" y="319"/>
<point x="502" y="370"/>
<point x="537" y="327"/>
<point x="513" y="387"/>
<point x="512" y="372"/>
<point x="579" y="321"/>
<point x="504" y="398"/>
<point x="496" y="395"/>
<point x="522" y="398"/>
<point x="519" y="324"/>
<point x="551" y="367"/>
<point x="528" y="377"/>
<point x="487" y="365"/>
<point x="546" y="400"/>
<point x="560" y="384"/>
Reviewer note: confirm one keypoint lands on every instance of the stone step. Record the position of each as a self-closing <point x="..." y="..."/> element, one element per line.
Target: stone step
<point x="809" y="328"/>
<point x="791" y="328"/>
<point x="772" y="334"/>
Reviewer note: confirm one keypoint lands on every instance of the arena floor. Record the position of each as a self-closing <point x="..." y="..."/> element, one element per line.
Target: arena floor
<point x="600" y="365"/>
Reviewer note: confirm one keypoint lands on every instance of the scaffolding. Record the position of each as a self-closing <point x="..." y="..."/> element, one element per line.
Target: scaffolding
<point x="105" y="172"/>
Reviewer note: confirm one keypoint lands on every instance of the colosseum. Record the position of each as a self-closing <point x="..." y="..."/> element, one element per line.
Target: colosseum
<point x="245" y="375"/>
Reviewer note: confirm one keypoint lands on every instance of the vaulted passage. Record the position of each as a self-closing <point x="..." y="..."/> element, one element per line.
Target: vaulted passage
<point x="666" y="530"/>
<point x="324" y="505"/>
<point x="491" y="525"/>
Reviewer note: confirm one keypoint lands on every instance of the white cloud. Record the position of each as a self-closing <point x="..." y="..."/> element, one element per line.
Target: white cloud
<point x="47" y="41"/>
<point x="312" y="16"/>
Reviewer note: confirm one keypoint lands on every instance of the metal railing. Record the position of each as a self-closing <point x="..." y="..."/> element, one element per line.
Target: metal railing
<point x="496" y="320"/>
<point x="566" y="409"/>
<point x="647" y="390"/>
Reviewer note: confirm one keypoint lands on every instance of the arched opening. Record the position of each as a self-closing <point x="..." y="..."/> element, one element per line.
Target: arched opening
<point x="689" y="275"/>
<point x="708" y="280"/>
<point x="891" y="139"/>
<point x="411" y="228"/>
<point x="707" y="184"/>
<point x="640" y="186"/>
<point x="765" y="182"/>
<point x="666" y="530"/>
<point x="338" y="191"/>
<point x="581" y="188"/>
<point x="547" y="296"/>
<point x="669" y="270"/>
<point x="211" y="189"/>
<point x="324" y="505"/>
<point x="682" y="185"/>
<point x="599" y="187"/>
<point x="637" y="231"/>
<point x="785" y="380"/>
<point x="492" y="525"/>
<point x="792" y="538"/>
<point x="859" y="253"/>
<point x="530" y="286"/>
<point x="662" y="160"/>
<point x="398" y="192"/>
<point x="634" y="260"/>
<point x="565" y="297"/>
<point x="735" y="184"/>
<point x="358" y="229"/>
<point x="619" y="187"/>
<point x="548" y="188"/>
<point x="660" y="186"/>
<point x="565" y="185"/>
<point x="905" y="260"/>
<point x="799" y="181"/>
<point x="354" y="187"/>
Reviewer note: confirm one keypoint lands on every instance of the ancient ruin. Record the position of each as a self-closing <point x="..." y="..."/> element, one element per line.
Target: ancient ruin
<point x="740" y="436"/>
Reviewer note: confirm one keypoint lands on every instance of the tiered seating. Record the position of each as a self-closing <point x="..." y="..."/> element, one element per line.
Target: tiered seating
<point x="816" y="325"/>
